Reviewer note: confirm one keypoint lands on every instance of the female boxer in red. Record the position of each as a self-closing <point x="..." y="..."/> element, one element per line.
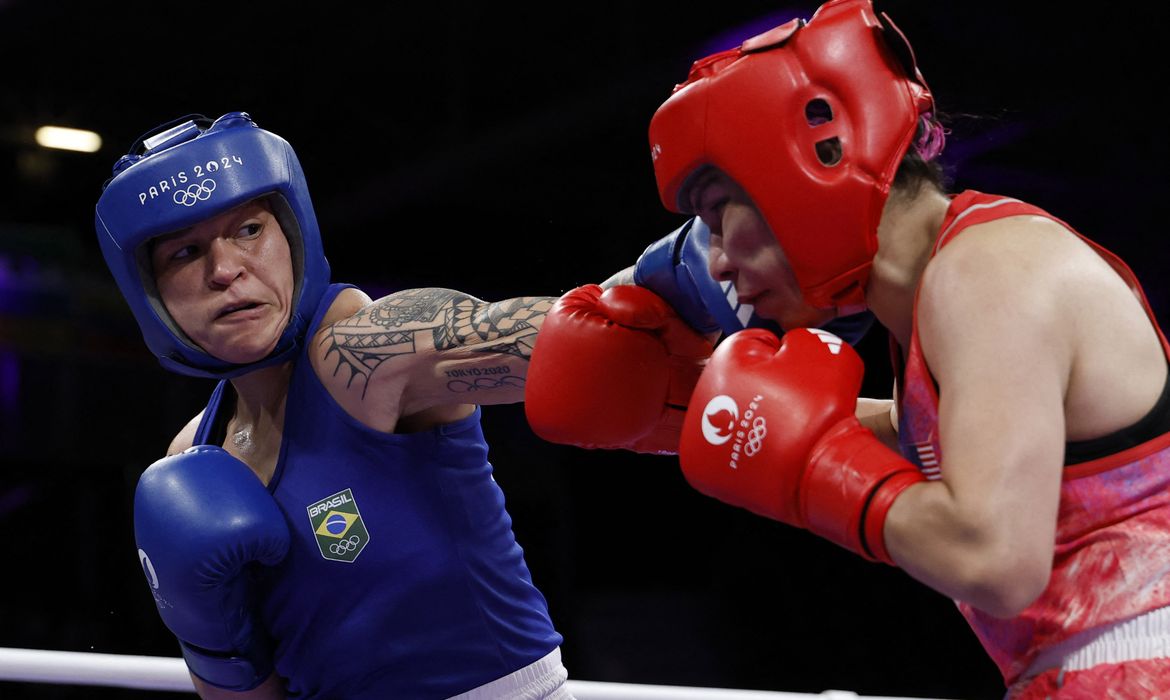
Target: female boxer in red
<point x="1023" y="465"/>
<point x="1032" y="410"/>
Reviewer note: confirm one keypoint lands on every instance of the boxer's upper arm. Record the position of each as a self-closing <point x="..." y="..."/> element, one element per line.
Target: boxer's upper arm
<point x="995" y="333"/>
<point x="422" y="348"/>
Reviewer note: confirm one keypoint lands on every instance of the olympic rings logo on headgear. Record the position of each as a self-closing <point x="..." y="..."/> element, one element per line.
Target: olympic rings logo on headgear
<point x="347" y="545"/>
<point x="198" y="192"/>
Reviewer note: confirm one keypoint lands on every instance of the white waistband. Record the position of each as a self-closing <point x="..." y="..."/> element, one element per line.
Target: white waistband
<point x="1146" y="636"/>
<point x="543" y="679"/>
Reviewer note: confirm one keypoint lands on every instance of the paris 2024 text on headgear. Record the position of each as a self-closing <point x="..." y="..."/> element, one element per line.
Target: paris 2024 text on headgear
<point x="181" y="175"/>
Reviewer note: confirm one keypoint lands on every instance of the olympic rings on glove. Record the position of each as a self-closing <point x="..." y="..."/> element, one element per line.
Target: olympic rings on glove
<point x="755" y="437"/>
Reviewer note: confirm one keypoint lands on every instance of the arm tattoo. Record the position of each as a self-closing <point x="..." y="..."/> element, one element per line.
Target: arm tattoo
<point x="360" y="351"/>
<point x="396" y="324"/>
<point x="475" y="323"/>
<point x="409" y="307"/>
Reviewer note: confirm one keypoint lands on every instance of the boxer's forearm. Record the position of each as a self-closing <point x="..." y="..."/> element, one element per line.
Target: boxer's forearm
<point x="879" y="416"/>
<point x="431" y="347"/>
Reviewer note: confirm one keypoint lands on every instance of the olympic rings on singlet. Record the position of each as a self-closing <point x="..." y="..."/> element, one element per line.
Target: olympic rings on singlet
<point x="347" y="545"/>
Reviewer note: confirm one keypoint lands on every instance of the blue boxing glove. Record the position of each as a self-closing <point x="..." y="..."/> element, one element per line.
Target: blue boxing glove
<point x="675" y="268"/>
<point x="201" y="520"/>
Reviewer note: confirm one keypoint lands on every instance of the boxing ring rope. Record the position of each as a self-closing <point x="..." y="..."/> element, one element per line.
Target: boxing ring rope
<point x="164" y="673"/>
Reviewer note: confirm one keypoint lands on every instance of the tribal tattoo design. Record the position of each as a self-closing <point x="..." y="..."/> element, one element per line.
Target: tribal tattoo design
<point x="405" y="322"/>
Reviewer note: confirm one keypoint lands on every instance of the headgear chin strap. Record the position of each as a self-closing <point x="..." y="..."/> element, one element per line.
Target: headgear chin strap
<point x="812" y="120"/>
<point x="184" y="174"/>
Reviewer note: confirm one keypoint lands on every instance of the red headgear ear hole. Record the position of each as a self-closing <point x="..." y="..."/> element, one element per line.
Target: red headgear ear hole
<point x="818" y="112"/>
<point x="829" y="151"/>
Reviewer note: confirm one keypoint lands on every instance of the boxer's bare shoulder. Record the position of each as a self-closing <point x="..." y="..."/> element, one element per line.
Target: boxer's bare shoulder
<point x="186" y="437"/>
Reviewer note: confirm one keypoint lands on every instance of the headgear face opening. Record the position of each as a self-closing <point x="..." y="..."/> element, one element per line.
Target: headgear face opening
<point x="185" y="174"/>
<point x="812" y="120"/>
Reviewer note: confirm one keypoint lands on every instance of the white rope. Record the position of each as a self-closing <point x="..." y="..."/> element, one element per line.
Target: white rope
<point x="162" y="673"/>
<point x="81" y="668"/>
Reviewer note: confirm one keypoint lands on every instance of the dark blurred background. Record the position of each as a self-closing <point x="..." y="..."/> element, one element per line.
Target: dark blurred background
<point x="502" y="151"/>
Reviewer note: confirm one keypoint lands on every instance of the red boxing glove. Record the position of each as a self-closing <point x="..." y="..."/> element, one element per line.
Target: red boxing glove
<point x="613" y="370"/>
<point x="773" y="430"/>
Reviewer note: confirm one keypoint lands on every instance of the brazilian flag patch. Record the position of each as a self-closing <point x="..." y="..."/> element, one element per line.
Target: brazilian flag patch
<point x="337" y="524"/>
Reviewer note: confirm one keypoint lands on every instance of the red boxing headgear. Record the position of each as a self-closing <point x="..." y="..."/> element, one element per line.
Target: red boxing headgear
<point x="812" y="120"/>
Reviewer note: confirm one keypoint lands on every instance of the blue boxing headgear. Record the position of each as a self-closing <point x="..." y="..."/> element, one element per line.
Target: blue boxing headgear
<point x="188" y="173"/>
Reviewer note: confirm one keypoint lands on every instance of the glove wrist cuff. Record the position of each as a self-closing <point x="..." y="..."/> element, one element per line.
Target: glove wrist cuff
<point x="227" y="670"/>
<point x="874" y="518"/>
<point x="849" y="487"/>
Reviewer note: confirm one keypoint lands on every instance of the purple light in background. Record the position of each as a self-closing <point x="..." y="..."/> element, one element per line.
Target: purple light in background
<point x="995" y="138"/>
<point x="9" y="383"/>
<point x="734" y="37"/>
<point x="14" y="498"/>
<point x="10" y="293"/>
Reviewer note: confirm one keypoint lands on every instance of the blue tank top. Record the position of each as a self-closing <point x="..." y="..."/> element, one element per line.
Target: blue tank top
<point x="404" y="579"/>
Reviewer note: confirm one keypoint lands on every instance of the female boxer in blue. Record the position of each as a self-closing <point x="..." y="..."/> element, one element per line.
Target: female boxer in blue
<point x="328" y="527"/>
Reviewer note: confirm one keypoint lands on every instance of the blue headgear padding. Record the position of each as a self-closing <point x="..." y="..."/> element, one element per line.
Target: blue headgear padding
<point x="185" y="174"/>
